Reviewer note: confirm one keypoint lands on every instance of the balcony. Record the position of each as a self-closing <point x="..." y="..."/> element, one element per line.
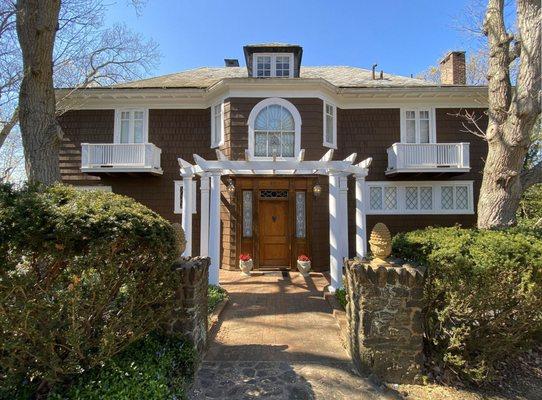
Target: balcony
<point x="428" y="157"/>
<point x="120" y="157"/>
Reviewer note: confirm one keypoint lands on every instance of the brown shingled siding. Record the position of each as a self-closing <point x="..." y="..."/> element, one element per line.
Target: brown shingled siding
<point x="181" y="133"/>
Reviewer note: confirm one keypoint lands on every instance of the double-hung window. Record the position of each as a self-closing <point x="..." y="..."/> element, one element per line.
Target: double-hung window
<point x="217" y="125"/>
<point x="418" y="125"/>
<point x="330" y="125"/>
<point x="276" y="65"/>
<point x="131" y="126"/>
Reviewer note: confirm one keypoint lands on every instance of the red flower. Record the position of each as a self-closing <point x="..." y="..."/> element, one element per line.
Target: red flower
<point x="303" y="257"/>
<point x="244" y="257"/>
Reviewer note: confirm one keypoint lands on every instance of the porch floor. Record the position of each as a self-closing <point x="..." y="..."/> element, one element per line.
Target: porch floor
<point x="278" y="340"/>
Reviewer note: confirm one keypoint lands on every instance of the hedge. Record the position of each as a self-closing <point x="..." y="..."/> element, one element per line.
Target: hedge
<point x="483" y="293"/>
<point x="83" y="275"/>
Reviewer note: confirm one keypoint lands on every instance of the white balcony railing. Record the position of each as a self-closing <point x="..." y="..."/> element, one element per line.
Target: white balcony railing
<point x="428" y="157"/>
<point x="120" y="157"/>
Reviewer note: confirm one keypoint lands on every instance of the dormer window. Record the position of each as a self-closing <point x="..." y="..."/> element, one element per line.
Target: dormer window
<point x="273" y="65"/>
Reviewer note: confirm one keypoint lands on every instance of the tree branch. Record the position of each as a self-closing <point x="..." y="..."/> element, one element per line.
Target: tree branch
<point x="8" y="126"/>
<point x="531" y="176"/>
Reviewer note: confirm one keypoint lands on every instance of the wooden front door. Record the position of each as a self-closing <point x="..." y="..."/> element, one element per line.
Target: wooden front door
<point x="274" y="233"/>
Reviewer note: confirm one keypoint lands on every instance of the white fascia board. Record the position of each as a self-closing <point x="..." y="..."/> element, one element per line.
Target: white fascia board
<point x="345" y="98"/>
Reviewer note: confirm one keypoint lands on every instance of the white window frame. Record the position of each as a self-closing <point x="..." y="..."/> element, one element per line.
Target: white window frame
<point x="432" y="123"/>
<point x="332" y="145"/>
<point x="118" y="114"/>
<point x="436" y="200"/>
<point x="297" y="129"/>
<point x="177" y="200"/>
<point x="273" y="64"/>
<point x="220" y="142"/>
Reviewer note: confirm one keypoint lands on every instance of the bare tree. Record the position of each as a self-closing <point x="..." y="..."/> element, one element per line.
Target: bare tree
<point x="513" y="112"/>
<point x="86" y="53"/>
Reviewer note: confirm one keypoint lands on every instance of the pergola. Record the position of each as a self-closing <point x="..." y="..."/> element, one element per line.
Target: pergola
<point x="210" y="172"/>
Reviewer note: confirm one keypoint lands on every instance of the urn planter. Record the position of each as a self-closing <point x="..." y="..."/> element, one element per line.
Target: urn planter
<point x="304" y="267"/>
<point x="246" y="266"/>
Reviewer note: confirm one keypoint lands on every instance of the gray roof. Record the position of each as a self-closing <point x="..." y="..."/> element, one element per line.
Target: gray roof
<point x="340" y="76"/>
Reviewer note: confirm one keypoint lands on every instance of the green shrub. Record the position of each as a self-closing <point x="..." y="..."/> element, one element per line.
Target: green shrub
<point x="340" y="294"/>
<point x="483" y="293"/>
<point x="156" y="367"/>
<point x="83" y="275"/>
<point x="215" y="295"/>
<point x="530" y="207"/>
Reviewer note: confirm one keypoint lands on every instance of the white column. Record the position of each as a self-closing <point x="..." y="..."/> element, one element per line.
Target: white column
<point x="361" y="220"/>
<point x="186" y="220"/>
<point x="338" y="228"/>
<point x="204" y="216"/>
<point x="214" y="228"/>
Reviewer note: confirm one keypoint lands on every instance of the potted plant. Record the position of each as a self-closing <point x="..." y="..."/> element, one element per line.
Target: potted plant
<point x="304" y="264"/>
<point x="245" y="263"/>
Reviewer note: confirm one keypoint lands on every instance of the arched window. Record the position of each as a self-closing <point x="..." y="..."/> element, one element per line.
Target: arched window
<point x="274" y="129"/>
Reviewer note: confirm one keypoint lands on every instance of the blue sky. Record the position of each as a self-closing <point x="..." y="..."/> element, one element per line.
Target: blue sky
<point x="403" y="37"/>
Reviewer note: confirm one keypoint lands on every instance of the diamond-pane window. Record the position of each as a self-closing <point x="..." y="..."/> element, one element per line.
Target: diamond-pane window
<point x="375" y="198"/>
<point x="447" y="197"/>
<point x="390" y="197"/>
<point x="411" y="198"/>
<point x="247" y="213"/>
<point x="426" y="198"/>
<point x="461" y="197"/>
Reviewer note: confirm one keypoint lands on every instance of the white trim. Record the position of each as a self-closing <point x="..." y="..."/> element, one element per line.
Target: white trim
<point x="273" y="71"/>
<point x="332" y="145"/>
<point x="177" y="206"/>
<point x="131" y="110"/>
<point x="432" y="123"/>
<point x="436" y="200"/>
<point x="94" y="187"/>
<point x="213" y="125"/>
<point x="344" y="98"/>
<point x="297" y="121"/>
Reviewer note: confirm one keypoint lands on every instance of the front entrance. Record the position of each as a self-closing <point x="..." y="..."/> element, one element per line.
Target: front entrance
<point x="274" y="241"/>
<point x="274" y="223"/>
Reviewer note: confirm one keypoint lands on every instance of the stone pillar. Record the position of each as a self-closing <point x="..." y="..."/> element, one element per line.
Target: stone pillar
<point x="189" y="317"/>
<point x="338" y="227"/>
<point x="214" y="228"/>
<point x="204" y="216"/>
<point x="385" y="326"/>
<point x="361" y="218"/>
<point x="186" y="221"/>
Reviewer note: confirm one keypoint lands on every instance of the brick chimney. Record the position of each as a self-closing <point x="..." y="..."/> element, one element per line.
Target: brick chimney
<point x="452" y="69"/>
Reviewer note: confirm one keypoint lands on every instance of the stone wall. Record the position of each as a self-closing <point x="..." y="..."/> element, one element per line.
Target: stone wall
<point x="385" y="327"/>
<point x="189" y="318"/>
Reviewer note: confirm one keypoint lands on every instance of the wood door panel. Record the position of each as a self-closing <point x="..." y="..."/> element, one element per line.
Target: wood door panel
<point x="274" y="243"/>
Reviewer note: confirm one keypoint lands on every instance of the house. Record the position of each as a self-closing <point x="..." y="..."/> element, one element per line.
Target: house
<point x="278" y="159"/>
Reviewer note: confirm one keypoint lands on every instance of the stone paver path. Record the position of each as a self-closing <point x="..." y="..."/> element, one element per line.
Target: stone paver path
<point x="278" y="340"/>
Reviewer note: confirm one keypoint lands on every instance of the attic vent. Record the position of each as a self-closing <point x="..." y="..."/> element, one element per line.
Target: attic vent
<point x="231" y="62"/>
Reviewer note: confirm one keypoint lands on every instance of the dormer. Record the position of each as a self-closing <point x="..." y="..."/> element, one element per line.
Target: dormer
<point x="273" y="60"/>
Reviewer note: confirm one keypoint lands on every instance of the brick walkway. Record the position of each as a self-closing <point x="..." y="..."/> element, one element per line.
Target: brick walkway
<point x="278" y="340"/>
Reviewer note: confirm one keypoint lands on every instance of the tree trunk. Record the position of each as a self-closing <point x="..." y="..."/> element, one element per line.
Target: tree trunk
<point x="37" y="22"/>
<point x="512" y="111"/>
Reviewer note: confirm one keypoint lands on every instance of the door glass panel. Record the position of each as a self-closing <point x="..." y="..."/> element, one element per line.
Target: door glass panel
<point x="125" y="127"/>
<point x="424" y="126"/>
<point x="300" y="230"/>
<point x="138" y="127"/>
<point x="247" y="213"/>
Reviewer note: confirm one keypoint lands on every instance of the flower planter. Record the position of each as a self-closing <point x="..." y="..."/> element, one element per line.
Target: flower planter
<point x="246" y="266"/>
<point x="304" y="267"/>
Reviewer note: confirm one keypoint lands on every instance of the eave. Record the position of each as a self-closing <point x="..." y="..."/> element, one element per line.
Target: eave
<point x="343" y="97"/>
